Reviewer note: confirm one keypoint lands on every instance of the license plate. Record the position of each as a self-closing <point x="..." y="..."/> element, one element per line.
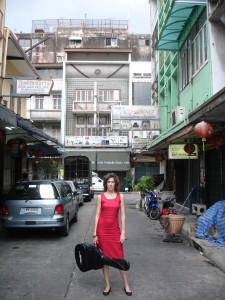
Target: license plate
<point x="30" y="210"/>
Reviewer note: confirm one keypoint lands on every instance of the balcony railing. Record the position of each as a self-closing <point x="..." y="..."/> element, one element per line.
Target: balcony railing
<point x="45" y="115"/>
<point x="89" y="106"/>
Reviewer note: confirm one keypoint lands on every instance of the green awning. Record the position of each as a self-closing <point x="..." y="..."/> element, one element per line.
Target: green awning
<point x="178" y="16"/>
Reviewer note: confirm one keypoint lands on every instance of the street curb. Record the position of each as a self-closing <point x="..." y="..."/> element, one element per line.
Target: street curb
<point x="214" y="253"/>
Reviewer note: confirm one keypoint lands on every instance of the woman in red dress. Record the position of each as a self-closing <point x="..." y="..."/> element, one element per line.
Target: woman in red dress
<point x="106" y="227"/>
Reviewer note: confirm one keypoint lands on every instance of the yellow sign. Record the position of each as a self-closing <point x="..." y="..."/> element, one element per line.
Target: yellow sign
<point x="176" y="151"/>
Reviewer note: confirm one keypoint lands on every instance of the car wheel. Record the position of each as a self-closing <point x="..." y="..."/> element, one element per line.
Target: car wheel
<point x="66" y="228"/>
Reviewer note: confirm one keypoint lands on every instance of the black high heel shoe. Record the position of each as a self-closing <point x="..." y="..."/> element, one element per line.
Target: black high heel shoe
<point x="127" y="293"/>
<point x="107" y="293"/>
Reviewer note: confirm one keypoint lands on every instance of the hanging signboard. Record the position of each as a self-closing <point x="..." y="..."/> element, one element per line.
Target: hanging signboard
<point x="176" y="151"/>
<point x="135" y="117"/>
<point x="28" y="87"/>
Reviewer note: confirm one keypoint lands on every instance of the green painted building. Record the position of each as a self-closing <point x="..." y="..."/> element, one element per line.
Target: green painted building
<point x="188" y="80"/>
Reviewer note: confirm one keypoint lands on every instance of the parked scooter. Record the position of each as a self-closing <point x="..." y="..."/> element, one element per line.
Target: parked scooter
<point x="167" y="208"/>
<point x="151" y="206"/>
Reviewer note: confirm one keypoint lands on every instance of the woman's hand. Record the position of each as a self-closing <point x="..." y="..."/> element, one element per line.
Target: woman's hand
<point x="122" y="237"/>
<point x="95" y="240"/>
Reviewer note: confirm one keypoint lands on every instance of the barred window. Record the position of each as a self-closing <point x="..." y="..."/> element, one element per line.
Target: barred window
<point x="103" y="95"/>
<point x="194" y="52"/>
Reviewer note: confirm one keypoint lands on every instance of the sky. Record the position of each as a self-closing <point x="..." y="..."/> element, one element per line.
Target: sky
<point x="21" y="13"/>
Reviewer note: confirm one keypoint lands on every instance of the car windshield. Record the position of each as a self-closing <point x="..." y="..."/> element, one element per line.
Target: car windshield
<point x="82" y="185"/>
<point x="26" y="191"/>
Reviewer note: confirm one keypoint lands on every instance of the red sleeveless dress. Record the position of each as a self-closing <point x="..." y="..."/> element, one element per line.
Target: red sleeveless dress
<point x="108" y="230"/>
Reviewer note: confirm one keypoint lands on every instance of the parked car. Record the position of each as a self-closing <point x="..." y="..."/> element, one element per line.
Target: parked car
<point x="86" y="188"/>
<point x="97" y="184"/>
<point x="39" y="204"/>
<point x="78" y="193"/>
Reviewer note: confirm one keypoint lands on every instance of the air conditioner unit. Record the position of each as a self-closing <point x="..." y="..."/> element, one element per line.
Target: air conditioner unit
<point x="177" y="114"/>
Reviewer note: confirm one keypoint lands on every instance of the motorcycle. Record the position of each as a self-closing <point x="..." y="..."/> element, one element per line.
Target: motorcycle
<point x="151" y="206"/>
<point x="167" y="209"/>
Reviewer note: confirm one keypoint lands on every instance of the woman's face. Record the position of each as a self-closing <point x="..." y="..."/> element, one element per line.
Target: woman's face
<point x="111" y="184"/>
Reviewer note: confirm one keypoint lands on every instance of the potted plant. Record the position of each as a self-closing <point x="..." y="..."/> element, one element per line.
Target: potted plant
<point x="146" y="182"/>
<point x="128" y="183"/>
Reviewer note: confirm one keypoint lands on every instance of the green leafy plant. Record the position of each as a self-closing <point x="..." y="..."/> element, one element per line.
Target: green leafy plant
<point x="146" y="182"/>
<point x="128" y="182"/>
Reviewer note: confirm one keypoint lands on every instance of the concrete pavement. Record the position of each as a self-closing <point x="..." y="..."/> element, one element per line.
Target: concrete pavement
<point x="213" y="252"/>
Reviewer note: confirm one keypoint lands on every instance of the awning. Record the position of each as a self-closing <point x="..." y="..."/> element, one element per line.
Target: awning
<point x="108" y="160"/>
<point x="164" y="140"/>
<point x="177" y="17"/>
<point x="7" y="117"/>
<point x="43" y="150"/>
<point x="113" y="161"/>
<point x="35" y="131"/>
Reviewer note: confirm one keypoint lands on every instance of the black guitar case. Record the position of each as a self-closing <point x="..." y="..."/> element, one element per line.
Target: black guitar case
<point x="90" y="257"/>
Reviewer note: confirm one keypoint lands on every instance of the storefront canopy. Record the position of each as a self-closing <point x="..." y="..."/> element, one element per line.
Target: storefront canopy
<point x="105" y="160"/>
<point x="177" y="17"/>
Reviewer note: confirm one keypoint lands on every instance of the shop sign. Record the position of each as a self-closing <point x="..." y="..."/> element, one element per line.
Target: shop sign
<point x="135" y="117"/>
<point x="29" y="87"/>
<point x="176" y="151"/>
<point x="97" y="141"/>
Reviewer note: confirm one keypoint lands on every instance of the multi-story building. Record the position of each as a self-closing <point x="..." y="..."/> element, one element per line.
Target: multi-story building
<point x="16" y="132"/>
<point x="186" y="42"/>
<point x="100" y="71"/>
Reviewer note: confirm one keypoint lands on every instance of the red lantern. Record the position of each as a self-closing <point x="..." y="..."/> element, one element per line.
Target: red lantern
<point x="39" y="152"/>
<point x="23" y="147"/>
<point x="217" y="140"/>
<point x="159" y="158"/>
<point x="203" y="130"/>
<point x="30" y="152"/>
<point x="165" y="155"/>
<point x="189" y="148"/>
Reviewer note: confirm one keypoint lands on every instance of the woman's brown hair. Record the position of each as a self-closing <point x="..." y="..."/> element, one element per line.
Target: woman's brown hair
<point x="116" y="179"/>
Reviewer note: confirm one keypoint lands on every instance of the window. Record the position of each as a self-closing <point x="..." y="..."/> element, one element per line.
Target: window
<point x="59" y="58"/>
<point x="199" y="50"/>
<point x="80" y="120"/>
<point x="103" y="131"/>
<point x="92" y="132"/>
<point x="24" y="43"/>
<point x="143" y="42"/>
<point x="103" y="120"/>
<point x="39" y="101"/>
<point x="90" y="120"/>
<point x="194" y="53"/>
<point x="75" y="40"/>
<point x="103" y="95"/>
<point x="111" y="42"/>
<point x="56" y="132"/>
<point x="36" y="41"/>
<point x="57" y="102"/>
<point x="108" y="95"/>
<point x="80" y="131"/>
<point x="84" y="95"/>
